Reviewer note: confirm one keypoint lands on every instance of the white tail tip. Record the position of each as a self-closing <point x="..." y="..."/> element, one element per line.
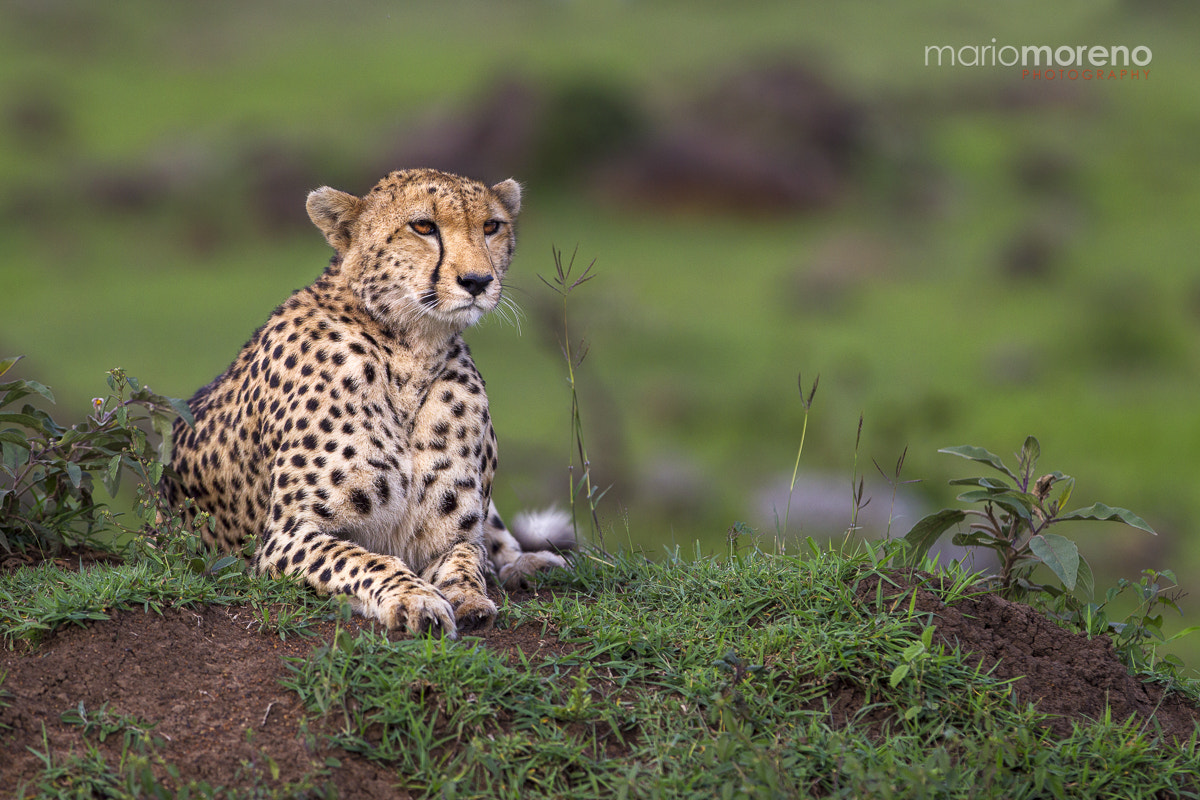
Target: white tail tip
<point x="549" y="529"/>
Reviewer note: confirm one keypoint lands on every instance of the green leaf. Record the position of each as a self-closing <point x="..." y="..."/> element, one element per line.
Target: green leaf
<point x="12" y="392"/>
<point x="183" y="409"/>
<point x="68" y="438"/>
<point x="1020" y="503"/>
<point x="13" y="454"/>
<point x="986" y="483"/>
<point x="898" y="674"/>
<point x="162" y="426"/>
<point x="1031" y="451"/>
<point x="927" y="531"/>
<point x="1059" y="554"/>
<point x="975" y="496"/>
<point x="222" y="563"/>
<point x="74" y="473"/>
<point x="1182" y="633"/>
<point x="1086" y="580"/>
<point x="1068" y="484"/>
<point x="112" y="475"/>
<point x="7" y="363"/>
<point x="25" y="420"/>
<point x="980" y="455"/>
<point x="44" y="391"/>
<point x="977" y="539"/>
<point x="16" y="437"/>
<point x="1017" y="503"/>
<point x="1102" y="513"/>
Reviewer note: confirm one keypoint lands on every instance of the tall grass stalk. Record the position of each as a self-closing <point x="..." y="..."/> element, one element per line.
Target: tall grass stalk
<point x="895" y="483"/>
<point x="857" y="484"/>
<point x="563" y="284"/>
<point x="806" y="403"/>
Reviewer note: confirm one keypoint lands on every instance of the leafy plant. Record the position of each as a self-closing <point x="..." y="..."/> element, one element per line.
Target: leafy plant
<point x="1017" y="512"/>
<point x="103" y="723"/>
<point x="1136" y="638"/>
<point x="48" y="470"/>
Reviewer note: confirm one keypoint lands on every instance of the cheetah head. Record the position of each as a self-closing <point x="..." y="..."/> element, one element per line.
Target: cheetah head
<point x="423" y="248"/>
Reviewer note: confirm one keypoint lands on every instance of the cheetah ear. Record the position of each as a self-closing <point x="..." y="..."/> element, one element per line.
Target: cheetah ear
<point x="333" y="213"/>
<point x="509" y="193"/>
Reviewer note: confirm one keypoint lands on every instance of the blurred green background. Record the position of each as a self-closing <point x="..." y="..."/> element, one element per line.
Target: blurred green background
<point x="963" y="255"/>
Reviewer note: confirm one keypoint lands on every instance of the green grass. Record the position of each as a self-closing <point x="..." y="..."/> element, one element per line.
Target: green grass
<point x="681" y="678"/>
<point x="36" y="600"/>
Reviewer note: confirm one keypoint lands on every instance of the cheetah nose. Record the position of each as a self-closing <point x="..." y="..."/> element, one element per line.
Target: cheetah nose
<point x="474" y="283"/>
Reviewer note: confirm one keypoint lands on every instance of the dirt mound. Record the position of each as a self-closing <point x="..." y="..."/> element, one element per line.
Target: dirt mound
<point x="208" y="678"/>
<point x="1066" y="674"/>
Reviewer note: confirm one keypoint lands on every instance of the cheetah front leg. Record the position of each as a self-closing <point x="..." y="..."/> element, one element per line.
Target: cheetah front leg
<point x="453" y="460"/>
<point x="458" y="575"/>
<point x="380" y="586"/>
<point x="451" y="514"/>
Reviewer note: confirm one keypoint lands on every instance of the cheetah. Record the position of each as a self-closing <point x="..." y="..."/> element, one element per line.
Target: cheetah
<point x="352" y="436"/>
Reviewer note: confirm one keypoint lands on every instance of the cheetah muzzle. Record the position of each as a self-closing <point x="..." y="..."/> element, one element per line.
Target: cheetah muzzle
<point x="352" y="433"/>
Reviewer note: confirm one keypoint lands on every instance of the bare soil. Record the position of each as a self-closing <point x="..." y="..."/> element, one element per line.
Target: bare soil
<point x="208" y="677"/>
<point x="1068" y="675"/>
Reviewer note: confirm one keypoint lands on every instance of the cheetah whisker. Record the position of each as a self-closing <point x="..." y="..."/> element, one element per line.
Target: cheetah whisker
<point x="509" y="312"/>
<point x="411" y="311"/>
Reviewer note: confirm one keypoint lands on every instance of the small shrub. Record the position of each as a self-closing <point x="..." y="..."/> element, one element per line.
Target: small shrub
<point x="48" y="470"/>
<point x="1018" y="511"/>
<point x="1014" y="522"/>
<point x="1136" y="638"/>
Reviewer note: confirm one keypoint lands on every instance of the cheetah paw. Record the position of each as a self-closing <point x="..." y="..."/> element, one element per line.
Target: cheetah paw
<point x="513" y="574"/>
<point x="422" y="610"/>
<point x="474" y="612"/>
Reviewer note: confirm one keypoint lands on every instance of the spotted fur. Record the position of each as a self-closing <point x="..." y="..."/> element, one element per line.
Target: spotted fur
<point x="352" y="433"/>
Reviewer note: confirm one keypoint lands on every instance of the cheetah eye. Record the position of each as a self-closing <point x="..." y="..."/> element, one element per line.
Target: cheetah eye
<point x="491" y="226"/>
<point x="424" y="227"/>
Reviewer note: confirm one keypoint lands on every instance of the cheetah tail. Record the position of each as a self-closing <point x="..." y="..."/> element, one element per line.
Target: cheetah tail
<point x="548" y="529"/>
